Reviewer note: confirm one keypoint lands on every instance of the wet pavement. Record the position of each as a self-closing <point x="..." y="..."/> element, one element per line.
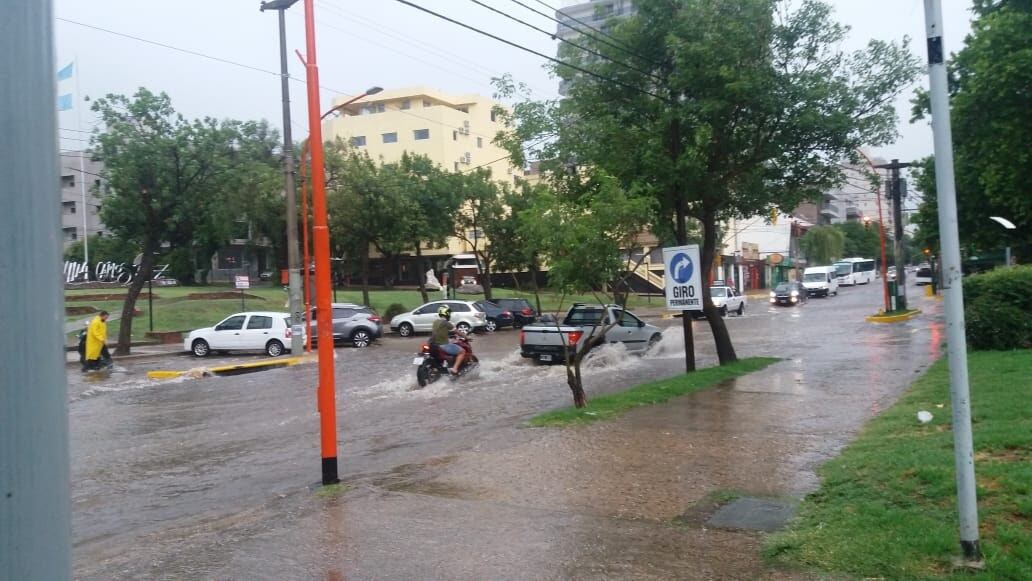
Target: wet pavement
<point x="215" y="478"/>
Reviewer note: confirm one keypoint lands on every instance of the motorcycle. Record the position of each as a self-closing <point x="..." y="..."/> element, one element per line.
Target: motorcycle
<point x="434" y="363"/>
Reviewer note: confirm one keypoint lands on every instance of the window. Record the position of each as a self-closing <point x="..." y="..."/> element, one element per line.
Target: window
<point x="380" y="107"/>
<point x="70" y="234"/>
<point x="406" y="104"/>
<point x="68" y="181"/>
<point x="456" y="166"/>
<point x="358" y="141"/>
<point x="234" y="323"/>
<point x="464" y="109"/>
<point x="480" y="142"/>
<point x="494" y="116"/>
<point x="420" y="134"/>
<point x="68" y="207"/>
<point x="628" y="320"/>
<point x="429" y="308"/>
<point x="455" y="135"/>
<point x="259" y="322"/>
<point x="342" y="313"/>
<point x="459" y="307"/>
<point x="427" y="103"/>
<point x="390" y="137"/>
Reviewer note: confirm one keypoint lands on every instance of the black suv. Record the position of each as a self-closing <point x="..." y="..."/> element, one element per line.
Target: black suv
<point x="522" y="312"/>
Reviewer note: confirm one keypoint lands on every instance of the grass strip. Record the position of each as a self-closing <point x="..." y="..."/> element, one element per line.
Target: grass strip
<point x="887" y="507"/>
<point x="605" y="407"/>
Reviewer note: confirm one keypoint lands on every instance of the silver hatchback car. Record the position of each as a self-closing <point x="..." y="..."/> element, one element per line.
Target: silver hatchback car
<point x="357" y="324"/>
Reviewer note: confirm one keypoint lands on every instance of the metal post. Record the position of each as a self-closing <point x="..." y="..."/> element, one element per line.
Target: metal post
<point x="689" y="341"/>
<point x="150" y="302"/>
<point x="963" y="449"/>
<point x="897" y="226"/>
<point x="290" y="191"/>
<point x="321" y="249"/>
<point x="35" y="523"/>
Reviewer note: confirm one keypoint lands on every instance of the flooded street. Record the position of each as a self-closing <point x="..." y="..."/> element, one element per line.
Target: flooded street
<point x="215" y="478"/>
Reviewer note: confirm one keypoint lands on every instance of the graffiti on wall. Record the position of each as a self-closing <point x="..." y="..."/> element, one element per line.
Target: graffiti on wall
<point x="110" y="272"/>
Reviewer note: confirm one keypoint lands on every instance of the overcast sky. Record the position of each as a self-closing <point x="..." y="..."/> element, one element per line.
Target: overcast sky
<point x="360" y="44"/>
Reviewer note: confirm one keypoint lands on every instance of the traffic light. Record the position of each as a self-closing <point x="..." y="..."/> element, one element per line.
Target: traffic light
<point x="927" y="252"/>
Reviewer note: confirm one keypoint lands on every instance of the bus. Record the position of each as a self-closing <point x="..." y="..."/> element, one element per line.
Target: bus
<point x="851" y="271"/>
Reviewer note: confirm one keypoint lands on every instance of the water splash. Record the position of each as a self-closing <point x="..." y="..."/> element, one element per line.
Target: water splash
<point x="670" y="347"/>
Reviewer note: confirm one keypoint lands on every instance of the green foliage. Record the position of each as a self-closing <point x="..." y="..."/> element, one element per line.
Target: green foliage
<point x="581" y="239"/>
<point x="393" y="310"/>
<point x="886" y="507"/>
<point x="823" y="244"/>
<point x="997" y="307"/>
<point x="990" y="82"/>
<point x="483" y="210"/>
<point x="861" y="241"/>
<point x="104" y="249"/>
<point x="609" y="406"/>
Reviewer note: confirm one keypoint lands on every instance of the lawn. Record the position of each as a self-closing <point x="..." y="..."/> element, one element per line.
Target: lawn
<point x="605" y="407"/>
<point x="887" y="505"/>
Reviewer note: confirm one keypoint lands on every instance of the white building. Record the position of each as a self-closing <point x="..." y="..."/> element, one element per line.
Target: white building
<point x="81" y="186"/>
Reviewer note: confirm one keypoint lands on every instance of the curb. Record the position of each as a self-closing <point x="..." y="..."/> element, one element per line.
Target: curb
<point x="233" y="369"/>
<point x="894" y="318"/>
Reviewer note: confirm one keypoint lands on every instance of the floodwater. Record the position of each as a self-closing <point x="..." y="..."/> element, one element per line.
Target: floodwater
<point x="215" y="478"/>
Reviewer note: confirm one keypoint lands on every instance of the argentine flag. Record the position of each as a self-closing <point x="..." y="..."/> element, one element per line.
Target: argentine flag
<point x="64" y="101"/>
<point x="66" y="73"/>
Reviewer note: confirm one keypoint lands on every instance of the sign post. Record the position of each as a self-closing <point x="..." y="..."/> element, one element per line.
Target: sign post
<point x="243" y="282"/>
<point x="683" y="289"/>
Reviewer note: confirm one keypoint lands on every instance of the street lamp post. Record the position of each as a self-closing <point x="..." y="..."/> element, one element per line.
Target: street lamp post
<point x="293" y="259"/>
<point x="1007" y="225"/>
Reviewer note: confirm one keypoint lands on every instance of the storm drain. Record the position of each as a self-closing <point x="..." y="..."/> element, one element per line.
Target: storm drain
<point x="755" y="514"/>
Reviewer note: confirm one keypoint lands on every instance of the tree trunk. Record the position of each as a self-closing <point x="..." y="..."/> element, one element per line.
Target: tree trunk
<point x="125" y="326"/>
<point x="364" y="266"/>
<point x="534" y="286"/>
<point x="722" y="339"/>
<point x="485" y="280"/>
<point x="421" y="274"/>
<point x="516" y="281"/>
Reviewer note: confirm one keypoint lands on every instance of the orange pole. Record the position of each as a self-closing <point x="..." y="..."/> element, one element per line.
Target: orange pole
<point x="305" y="271"/>
<point x="881" y="237"/>
<point x="321" y="247"/>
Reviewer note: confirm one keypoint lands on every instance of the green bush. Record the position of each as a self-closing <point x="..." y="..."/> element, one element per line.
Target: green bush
<point x="393" y="310"/>
<point x="998" y="309"/>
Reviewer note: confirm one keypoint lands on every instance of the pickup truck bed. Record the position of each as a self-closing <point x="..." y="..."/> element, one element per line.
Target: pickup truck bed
<point x="547" y="343"/>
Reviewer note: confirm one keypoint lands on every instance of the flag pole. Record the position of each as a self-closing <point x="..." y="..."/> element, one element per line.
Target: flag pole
<point x="82" y="173"/>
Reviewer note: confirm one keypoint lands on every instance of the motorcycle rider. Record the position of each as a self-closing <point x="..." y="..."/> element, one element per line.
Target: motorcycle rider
<point x="442" y="329"/>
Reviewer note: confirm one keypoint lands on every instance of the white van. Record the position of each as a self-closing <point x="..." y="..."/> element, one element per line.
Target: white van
<point x="820" y="281"/>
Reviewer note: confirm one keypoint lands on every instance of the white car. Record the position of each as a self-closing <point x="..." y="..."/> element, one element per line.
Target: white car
<point x="727" y="300"/>
<point x="253" y="331"/>
<point x="465" y="315"/>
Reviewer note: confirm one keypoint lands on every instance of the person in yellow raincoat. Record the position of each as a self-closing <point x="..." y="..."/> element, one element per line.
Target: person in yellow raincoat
<point x="96" y="342"/>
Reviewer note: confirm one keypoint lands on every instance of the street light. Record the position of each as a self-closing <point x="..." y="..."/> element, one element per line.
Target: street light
<point x="293" y="258"/>
<point x="1008" y="225"/>
<point x="306" y="282"/>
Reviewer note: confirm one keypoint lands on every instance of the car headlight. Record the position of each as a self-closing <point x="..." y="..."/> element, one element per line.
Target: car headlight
<point x="795" y="293"/>
<point x="794" y="299"/>
<point x="772" y="295"/>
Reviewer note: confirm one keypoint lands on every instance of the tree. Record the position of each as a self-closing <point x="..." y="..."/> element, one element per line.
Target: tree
<point x="990" y="83"/>
<point x="581" y="238"/>
<point x="166" y="176"/>
<point x="104" y="249"/>
<point x="725" y="109"/>
<point x="482" y="208"/>
<point x="861" y="240"/>
<point x="512" y="250"/>
<point x="823" y="244"/>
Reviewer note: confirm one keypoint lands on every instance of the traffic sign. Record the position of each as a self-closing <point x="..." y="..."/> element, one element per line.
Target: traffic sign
<point x="683" y="278"/>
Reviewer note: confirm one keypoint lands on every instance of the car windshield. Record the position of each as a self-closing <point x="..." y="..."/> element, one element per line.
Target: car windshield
<point x="783" y="288"/>
<point x="814" y="277"/>
<point x="717" y="292"/>
<point x="843" y="268"/>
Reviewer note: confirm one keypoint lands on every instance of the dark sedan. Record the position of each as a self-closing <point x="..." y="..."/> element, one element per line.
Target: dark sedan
<point x="522" y="312"/>
<point x="788" y="294"/>
<point x="497" y="317"/>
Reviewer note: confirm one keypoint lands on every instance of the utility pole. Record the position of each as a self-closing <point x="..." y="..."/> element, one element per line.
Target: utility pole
<point x="35" y="503"/>
<point x="896" y="190"/>
<point x="293" y="258"/>
<point x="960" y="397"/>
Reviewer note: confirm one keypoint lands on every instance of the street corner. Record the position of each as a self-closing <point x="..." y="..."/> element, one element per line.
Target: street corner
<point x="234" y="369"/>
<point x="893" y="317"/>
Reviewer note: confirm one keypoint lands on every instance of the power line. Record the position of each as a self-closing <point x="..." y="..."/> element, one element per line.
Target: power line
<point x="561" y="39"/>
<point x="582" y="23"/>
<point x="617" y="45"/>
<point x="531" y="51"/>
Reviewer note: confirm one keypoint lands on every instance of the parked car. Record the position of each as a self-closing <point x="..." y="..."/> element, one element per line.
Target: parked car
<point x="253" y="331"/>
<point x="466" y="315"/>
<point x="548" y="343"/>
<point x="497" y="317"/>
<point x="357" y="324"/>
<point x="788" y="293"/>
<point x="923" y="274"/>
<point x="523" y="314"/>
<point x="890" y="273"/>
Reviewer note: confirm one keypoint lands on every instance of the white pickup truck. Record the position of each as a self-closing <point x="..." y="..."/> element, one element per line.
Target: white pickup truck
<point x="547" y="343"/>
